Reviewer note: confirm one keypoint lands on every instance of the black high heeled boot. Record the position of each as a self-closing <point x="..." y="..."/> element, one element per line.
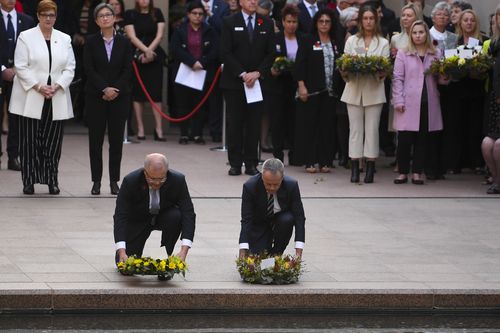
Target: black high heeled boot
<point x="355" y="171"/>
<point x="370" y="171"/>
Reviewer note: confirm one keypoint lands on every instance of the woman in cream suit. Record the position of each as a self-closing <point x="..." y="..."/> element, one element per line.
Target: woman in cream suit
<point x="45" y="65"/>
<point x="365" y="94"/>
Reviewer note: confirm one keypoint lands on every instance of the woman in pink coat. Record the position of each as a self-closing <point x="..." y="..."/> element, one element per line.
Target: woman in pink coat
<point x="415" y="97"/>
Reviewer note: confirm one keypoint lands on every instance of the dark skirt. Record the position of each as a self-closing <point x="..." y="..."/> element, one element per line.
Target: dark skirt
<point x="152" y="77"/>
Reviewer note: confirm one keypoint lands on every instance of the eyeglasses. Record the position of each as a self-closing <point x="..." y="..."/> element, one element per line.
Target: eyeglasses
<point x="107" y="15"/>
<point x="155" y="180"/>
<point x="324" y="21"/>
<point x="197" y="13"/>
<point x="47" y="16"/>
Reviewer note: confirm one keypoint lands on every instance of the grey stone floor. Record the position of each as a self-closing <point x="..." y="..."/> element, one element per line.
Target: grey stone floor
<point x="440" y="236"/>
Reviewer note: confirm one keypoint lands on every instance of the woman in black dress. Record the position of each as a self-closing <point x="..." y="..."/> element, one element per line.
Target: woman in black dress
<point x="145" y="26"/>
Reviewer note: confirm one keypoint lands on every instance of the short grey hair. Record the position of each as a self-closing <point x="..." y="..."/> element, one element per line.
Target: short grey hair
<point x="347" y="14"/>
<point x="156" y="161"/>
<point x="274" y="166"/>
<point x="101" y="6"/>
<point x="267" y="5"/>
<point x="441" y="5"/>
<point x="463" y="5"/>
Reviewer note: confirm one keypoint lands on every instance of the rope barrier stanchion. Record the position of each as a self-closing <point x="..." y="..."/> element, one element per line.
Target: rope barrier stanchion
<point x="224" y="146"/>
<point x="125" y="135"/>
<point x="155" y="107"/>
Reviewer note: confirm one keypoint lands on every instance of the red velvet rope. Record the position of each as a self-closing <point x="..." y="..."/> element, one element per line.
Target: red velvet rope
<point x="155" y="107"/>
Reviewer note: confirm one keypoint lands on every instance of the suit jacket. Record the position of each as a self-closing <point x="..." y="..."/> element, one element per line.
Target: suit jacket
<point x="132" y="204"/>
<point x="407" y="91"/>
<point x="210" y="49"/>
<point x="365" y="90"/>
<point x="310" y="64"/>
<point x="32" y="68"/>
<point x="220" y="9"/>
<point x="101" y="73"/>
<point x="305" y="20"/>
<point x="24" y="22"/>
<point x="240" y="55"/>
<point x="254" y="207"/>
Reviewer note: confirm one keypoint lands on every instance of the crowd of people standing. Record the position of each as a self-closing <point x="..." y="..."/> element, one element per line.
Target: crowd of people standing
<point x="434" y="124"/>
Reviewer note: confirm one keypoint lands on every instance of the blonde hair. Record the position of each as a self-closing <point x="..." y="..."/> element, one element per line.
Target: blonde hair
<point x="477" y="32"/>
<point x="428" y="39"/>
<point x="416" y="9"/>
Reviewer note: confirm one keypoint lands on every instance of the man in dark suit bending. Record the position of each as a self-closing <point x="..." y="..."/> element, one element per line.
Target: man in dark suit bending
<point x="153" y="198"/>
<point x="270" y="209"/>
<point x="247" y="51"/>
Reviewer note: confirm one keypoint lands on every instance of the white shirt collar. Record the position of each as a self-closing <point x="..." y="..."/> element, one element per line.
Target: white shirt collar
<point x="245" y="18"/>
<point x="13" y="15"/>
<point x="437" y="35"/>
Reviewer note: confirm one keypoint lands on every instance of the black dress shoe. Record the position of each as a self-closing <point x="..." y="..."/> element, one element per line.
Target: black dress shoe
<point x="401" y="180"/>
<point x="234" y="171"/>
<point x="96" y="188"/>
<point x="493" y="189"/>
<point x="417" y="181"/>
<point x="184" y="140"/>
<point x="114" y="188"/>
<point x="199" y="140"/>
<point x="29" y="189"/>
<point x="251" y="170"/>
<point x="54" y="189"/>
<point x="14" y="164"/>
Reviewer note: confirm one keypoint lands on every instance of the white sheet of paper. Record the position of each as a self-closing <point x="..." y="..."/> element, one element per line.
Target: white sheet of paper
<point x="473" y="42"/>
<point x="253" y="94"/>
<point x="267" y="263"/>
<point x="189" y="78"/>
<point x="450" y="53"/>
<point x="465" y="54"/>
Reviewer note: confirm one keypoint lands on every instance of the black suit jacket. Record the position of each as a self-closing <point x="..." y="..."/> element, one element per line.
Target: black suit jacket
<point x="210" y="49"/>
<point x="102" y="73"/>
<point x="310" y="64"/>
<point x="254" y="208"/>
<point x="220" y="9"/>
<point x="132" y="204"/>
<point x="239" y="55"/>
<point x="24" y="22"/>
<point x="305" y="20"/>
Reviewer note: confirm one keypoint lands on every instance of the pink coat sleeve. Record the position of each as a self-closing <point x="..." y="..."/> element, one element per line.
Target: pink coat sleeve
<point x="398" y="98"/>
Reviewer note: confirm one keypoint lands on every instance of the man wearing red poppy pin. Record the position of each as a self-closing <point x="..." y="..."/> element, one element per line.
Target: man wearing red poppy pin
<point x="248" y="52"/>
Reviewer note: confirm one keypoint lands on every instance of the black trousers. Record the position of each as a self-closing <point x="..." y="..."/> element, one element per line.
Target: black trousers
<point x="282" y="112"/>
<point x="316" y="130"/>
<point x="243" y="128"/>
<point x="276" y="237"/>
<point x="416" y="142"/>
<point x="102" y="115"/>
<point x="40" y="147"/>
<point x="169" y="222"/>
<point x="13" y="119"/>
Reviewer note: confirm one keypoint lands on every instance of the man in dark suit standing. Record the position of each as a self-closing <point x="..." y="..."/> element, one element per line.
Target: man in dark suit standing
<point x="247" y="51"/>
<point x="216" y="11"/>
<point x="12" y="24"/>
<point x="308" y="8"/>
<point x="153" y="198"/>
<point x="270" y="208"/>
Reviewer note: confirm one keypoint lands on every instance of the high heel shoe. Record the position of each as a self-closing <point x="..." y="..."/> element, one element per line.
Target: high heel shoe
<point x="158" y="138"/>
<point x="142" y="138"/>
<point x="114" y="188"/>
<point x="96" y="188"/>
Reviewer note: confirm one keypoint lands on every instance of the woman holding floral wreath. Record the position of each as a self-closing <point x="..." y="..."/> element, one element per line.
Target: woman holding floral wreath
<point x="365" y="94"/>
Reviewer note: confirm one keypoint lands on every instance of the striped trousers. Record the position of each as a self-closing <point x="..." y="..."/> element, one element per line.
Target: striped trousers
<point x="40" y="147"/>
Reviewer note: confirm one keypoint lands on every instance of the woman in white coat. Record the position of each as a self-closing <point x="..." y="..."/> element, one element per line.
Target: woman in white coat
<point x="365" y="94"/>
<point x="44" y="64"/>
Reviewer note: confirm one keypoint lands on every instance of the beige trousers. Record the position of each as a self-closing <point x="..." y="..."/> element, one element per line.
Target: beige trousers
<point x="363" y="130"/>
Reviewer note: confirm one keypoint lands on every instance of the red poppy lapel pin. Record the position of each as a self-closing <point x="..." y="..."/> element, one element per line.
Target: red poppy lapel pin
<point x="260" y="21"/>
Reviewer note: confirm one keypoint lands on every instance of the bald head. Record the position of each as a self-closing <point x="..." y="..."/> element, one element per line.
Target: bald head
<point x="156" y="162"/>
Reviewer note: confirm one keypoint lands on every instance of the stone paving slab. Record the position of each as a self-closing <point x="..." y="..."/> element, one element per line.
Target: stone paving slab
<point x="367" y="246"/>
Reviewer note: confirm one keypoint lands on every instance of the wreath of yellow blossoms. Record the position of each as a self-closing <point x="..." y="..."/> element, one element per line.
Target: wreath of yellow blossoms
<point x="457" y="68"/>
<point x="286" y="269"/>
<point x="164" y="268"/>
<point x="360" y="64"/>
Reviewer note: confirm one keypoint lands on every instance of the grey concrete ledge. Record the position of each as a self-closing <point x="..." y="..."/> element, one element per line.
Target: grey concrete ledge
<point x="259" y="299"/>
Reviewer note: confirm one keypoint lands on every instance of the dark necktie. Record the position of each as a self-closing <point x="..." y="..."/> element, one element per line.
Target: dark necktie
<point x="155" y="205"/>
<point x="250" y="28"/>
<point x="11" y="36"/>
<point x="270" y="206"/>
